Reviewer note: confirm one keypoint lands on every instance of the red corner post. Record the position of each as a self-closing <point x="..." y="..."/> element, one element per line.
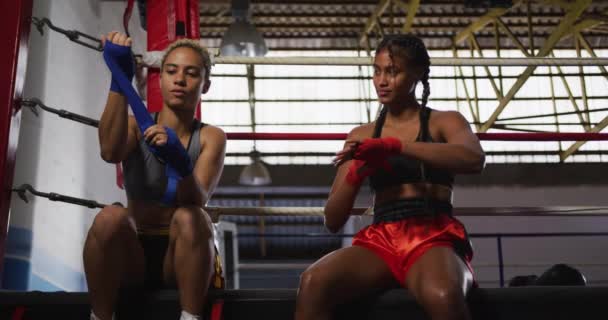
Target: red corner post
<point x="14" y="30"/>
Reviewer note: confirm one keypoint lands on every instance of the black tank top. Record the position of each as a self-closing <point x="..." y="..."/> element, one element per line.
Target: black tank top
<point x="409" y="170"/>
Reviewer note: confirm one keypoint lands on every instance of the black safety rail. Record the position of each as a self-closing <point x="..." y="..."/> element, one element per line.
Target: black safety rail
<point x="32" y="103"/>
<point x="24" y="188"/>
<point x="74" y="35"/>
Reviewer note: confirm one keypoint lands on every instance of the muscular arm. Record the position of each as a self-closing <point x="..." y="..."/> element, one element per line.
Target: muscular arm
<point x="462" y="152"/>
<point x="342" y="195"/>
<point x="117" y="131"/>
<point x="197" y="188"/>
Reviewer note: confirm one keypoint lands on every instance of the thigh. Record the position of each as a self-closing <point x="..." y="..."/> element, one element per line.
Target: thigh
<point x="191" y="219"/>
<point x="438" y="270"/>
<point x="137" y="261"/>
<point x="348" y="273"/>
<point x="114" y="230"/>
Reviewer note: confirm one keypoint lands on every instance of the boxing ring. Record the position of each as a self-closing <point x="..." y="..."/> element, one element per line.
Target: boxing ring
<point x="485" y="303"/>
<point x="528" y="303"/>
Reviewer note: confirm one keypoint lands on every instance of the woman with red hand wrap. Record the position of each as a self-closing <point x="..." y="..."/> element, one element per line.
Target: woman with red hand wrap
<point x="410" y="155"/>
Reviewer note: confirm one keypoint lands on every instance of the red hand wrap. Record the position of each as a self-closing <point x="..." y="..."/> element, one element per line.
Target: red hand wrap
<point x="358" y="171"/>
<point x="375" y="151"/>
<point x="373" y="148"/>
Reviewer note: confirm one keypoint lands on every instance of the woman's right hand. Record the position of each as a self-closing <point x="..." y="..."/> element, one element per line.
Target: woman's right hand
<point x="350" y="146"/>
<point x="117" y="48"/>
<point x="116" y="37"/>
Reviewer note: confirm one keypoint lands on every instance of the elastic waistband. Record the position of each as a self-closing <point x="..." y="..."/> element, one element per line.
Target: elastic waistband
<point x="405" y="208"/>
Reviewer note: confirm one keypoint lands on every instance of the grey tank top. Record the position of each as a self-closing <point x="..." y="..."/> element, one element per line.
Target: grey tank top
<point x="144" y="174"/>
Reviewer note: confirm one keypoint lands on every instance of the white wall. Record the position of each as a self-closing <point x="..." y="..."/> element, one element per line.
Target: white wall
<point x="59" y="155"/>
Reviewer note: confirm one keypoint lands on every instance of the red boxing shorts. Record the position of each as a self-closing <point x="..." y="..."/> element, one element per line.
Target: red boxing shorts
<point x="400" y="243"/>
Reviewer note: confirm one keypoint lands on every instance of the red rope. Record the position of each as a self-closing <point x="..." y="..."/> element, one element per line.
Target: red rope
<point x="126" y="16"/>
<point x="18" y="313"/>
<point x="523" y="136"/>
<point x="217" y="310"/>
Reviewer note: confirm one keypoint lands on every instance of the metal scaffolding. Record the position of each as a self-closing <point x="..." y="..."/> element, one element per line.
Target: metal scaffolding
<point x="476" y="68"/>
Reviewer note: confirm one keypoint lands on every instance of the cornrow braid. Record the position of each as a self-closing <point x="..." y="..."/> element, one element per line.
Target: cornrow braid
<point x="426" y="89"/>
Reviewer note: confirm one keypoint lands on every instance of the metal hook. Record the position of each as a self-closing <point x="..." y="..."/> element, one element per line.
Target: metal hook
<point x="31" y="105"/>
<point x="21" y="191"/>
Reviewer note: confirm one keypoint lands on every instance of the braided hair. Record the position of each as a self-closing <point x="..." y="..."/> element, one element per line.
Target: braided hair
<point x="413" y="50"/>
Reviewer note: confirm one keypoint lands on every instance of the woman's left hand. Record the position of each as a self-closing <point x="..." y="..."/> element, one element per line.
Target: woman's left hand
<point x="156" y="135"/>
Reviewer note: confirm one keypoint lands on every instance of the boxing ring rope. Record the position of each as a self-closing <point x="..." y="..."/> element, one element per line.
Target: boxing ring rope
<point x="524" y="136"/>
<point x="215" y="212"/>
<point x="435" y="61"/>
<point x="32" y="103"/>
<point x="463" y="211"/>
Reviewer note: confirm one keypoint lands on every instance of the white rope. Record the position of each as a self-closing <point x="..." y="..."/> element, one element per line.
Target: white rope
<point x="356" y="61"/>
<point x="470" y="211"/>
<point x="153" y="59"/>
<point x="276" y="211"/>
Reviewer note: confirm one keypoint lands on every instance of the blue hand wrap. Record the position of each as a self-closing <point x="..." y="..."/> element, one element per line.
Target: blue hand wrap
<point x="123" y="57"/>
<point x="178" y="163"/>
<point x="171" y="189"/>
<point x="143" y="118"/>
<point x="175" y="154"/>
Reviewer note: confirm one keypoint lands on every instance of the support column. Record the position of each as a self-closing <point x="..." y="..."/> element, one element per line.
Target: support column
<point x="14" y="29"/>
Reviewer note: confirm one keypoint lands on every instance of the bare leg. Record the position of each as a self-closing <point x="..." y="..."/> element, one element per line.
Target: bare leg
<point x="112" y="256"/>
<point x="340" y="276"/>
<point x="190" y="257"/>
<point x="440" y="280"/>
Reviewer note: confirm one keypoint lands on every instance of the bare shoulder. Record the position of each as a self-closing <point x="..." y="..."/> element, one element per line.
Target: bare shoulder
<point x="363" y="131"/>
<point x="447" y="118"/>
<point x="210" y="134"/>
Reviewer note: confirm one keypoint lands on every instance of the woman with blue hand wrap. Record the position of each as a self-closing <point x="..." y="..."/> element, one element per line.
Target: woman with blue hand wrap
<point x="172" y="164"/>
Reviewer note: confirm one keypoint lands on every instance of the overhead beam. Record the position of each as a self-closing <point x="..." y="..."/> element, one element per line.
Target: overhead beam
<point x="590" y="50"/>
<point x="371" y="21"/>
<point x="564" y="28"/>
<point x="482" y="22"/>
<point x="571" y="97"/>
<point x="577" y="145"/>
<point x="475" y="45"/>
<point x="563" y="4"/>
<point x="582" y="80"/>
<point x="530" y="28"/>
<point x="514" y="38"/>
<point x="411" y="9"/>
<point x="576" y="31"/>
<point x="466" y="92"/>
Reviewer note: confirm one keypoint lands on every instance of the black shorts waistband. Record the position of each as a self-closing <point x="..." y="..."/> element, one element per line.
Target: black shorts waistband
<point x="404" y="208"/>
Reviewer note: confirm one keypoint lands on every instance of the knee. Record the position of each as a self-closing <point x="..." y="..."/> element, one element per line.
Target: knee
<point x="314" y="283"/>
<point x="192" y="221"/>
<point x="443" y="298"/>
<point x="111" y="223"/>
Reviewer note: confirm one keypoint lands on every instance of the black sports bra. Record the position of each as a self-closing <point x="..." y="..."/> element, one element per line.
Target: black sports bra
<point x="409" y="170"/>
